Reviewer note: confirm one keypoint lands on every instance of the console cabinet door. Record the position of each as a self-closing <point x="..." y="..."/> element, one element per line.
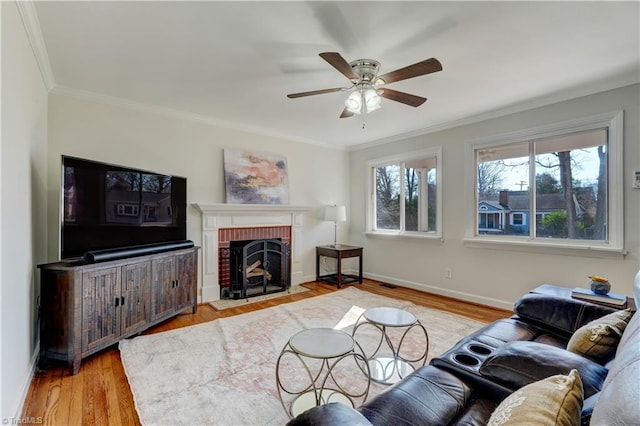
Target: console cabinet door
<point x="100" y="307"/>
<point x="185" y="280"/>
<point x="163" y="293"/>
<point x="136" y="296"/>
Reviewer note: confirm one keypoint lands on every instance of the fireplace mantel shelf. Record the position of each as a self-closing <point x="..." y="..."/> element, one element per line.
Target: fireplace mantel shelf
<point x="249" y="208"/>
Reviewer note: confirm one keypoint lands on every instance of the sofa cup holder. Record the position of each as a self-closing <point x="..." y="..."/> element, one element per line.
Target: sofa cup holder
<point x="466" y="360"/>
<point x="479" y="349"/>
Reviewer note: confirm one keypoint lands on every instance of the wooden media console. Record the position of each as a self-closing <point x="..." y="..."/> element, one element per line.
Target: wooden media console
<point x="86" y="307"/>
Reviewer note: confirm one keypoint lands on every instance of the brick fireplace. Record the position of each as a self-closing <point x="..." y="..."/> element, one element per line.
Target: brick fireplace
<point x="253" y="261"/>
<point x="224" y="223"/>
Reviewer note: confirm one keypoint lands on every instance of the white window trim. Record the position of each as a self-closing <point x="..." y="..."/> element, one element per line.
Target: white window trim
<point x="615" y="244"/>
<point x="122" y="207"/>
<point x="370" y="194"/>
<point x="523" y="218"/>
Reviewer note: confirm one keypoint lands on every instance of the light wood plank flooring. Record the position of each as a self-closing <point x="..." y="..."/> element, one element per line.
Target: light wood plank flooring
<point x="99" y="394"/>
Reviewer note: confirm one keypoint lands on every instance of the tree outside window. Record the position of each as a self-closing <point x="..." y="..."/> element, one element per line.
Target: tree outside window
<point x="405" y="196"/>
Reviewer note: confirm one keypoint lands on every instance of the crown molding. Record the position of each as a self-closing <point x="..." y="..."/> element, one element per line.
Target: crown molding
<point x="31" y="24"/>
<point x="177" y="114"/>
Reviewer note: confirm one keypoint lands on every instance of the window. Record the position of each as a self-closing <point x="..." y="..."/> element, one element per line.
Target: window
<point x="404" y="194"/>
<point x="558" y="184"/>
<point x="517" y="219"/>
<point x="127" y="209"/>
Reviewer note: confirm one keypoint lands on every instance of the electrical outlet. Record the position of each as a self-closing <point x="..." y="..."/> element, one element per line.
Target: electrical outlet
<point x="448" y="274"/>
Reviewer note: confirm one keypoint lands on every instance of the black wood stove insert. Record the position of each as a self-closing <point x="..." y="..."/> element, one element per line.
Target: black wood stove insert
<point x="257" y="267"/>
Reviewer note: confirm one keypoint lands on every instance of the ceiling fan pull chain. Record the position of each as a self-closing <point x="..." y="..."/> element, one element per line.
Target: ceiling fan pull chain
<point x="364" y="109"/>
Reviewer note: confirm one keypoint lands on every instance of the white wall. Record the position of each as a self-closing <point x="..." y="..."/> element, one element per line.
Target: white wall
<point x="496" y="277"/>
<point x="319" y="176"/>
<point x="23" y="237"/>
<point x="116" y="134"/>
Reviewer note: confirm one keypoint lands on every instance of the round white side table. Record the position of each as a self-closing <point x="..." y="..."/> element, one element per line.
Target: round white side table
<point x="387" y="363"/>
<point x="332" y="348"/>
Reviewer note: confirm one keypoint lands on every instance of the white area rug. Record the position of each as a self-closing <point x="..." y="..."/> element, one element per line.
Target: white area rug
<point x="223" y="372"/>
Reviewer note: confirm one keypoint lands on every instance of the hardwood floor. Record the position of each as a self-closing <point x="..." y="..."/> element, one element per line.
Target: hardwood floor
<point x="99" y="394"/>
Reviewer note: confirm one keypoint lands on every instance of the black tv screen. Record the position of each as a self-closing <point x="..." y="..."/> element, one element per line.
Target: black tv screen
<point x="105" y="207"/>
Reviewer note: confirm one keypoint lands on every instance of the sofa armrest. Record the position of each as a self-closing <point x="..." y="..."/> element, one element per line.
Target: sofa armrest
<point x="620" y="396"/>
<point x="517" y="364"/>
<point x="331" y="414"/>
<point x="559" y="315"/>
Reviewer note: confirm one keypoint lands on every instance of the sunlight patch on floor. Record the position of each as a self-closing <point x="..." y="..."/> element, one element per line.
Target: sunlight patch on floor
<point x="349" y="318"/>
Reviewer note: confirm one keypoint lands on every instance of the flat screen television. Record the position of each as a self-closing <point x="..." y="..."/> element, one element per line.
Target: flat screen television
<point x="106" y="207"/>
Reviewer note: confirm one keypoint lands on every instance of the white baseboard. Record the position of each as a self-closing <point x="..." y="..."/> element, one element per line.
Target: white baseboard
<point x="27" y="384"/>
<point x="468" y="297"/>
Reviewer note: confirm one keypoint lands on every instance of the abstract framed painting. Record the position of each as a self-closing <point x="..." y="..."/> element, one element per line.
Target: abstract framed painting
<point x="255" y="178"/>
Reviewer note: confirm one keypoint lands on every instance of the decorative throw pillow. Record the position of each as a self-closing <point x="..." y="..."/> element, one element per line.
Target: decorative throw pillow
<point x="598" y="339"/>
<point x="556" y="400"/>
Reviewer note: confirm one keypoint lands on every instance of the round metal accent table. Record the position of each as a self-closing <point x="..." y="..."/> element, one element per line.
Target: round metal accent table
<point x="323" y="356"/>
<point x="388" y="363"/>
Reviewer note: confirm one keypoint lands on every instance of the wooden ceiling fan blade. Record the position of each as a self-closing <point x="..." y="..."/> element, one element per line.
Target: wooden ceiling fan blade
<point x="402" y="97"/>
<point x="346" y="113"/>
<point x="338" y="62"/>
<point x="420" y="68"/>
<point x="314" y="92"/>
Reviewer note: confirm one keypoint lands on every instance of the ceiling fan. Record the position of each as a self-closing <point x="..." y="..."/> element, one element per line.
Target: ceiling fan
<point x="367" y="86"/>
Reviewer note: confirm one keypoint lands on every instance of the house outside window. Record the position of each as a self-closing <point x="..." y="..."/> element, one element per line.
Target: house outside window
<point x="567" y="177"/>
<point x="404" y="194"/>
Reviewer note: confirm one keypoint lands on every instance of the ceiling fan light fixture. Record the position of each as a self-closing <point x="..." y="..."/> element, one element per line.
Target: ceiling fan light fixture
<point x="373" y="108"/>
<point x="372" y="99"/>
<point x="363" y="100"/>
<point x="354" y="102"/>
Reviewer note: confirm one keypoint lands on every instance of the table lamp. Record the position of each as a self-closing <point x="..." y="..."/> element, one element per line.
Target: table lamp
<point x="335" y="214"/>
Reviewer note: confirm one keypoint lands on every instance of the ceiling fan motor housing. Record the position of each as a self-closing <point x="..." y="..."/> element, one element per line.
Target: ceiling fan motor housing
<point x="366" y="69"/>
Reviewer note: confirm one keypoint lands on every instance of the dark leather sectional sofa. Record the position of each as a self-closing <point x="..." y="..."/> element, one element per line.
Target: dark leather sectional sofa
<point x="464" y="385"/>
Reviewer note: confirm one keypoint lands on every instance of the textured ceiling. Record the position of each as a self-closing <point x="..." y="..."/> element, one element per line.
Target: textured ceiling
<point x="232" y="63"/>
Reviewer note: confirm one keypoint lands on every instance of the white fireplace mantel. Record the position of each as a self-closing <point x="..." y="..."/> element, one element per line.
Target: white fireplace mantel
<point x="249" y="208"/>
<point x="218" y="216"/>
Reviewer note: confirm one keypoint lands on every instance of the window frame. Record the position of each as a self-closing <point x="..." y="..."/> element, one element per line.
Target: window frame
<point x="370" y="219"/>
<point x="613" y="122"/>
<point x="521" y="217"/>
<point x="121" y="209"/>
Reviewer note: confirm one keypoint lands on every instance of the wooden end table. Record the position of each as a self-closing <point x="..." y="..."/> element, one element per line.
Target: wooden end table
<point x="558" y="291"/>
<point x="339" y="252"/>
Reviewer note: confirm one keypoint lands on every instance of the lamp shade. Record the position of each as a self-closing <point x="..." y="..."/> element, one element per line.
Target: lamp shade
<point x="372" y="99"/>
<point x="354" y="102"/>
<point x="335" y="213"/>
